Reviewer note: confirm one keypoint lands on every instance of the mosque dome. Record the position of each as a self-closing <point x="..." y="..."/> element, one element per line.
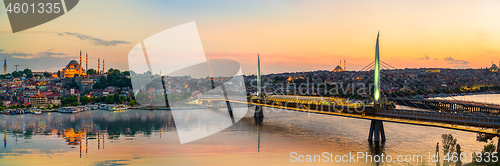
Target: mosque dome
<point x="73" y="62"/>
<point x="338" y="69"/>
<point x="73" y="68"/>
<point x="494" y="68"/>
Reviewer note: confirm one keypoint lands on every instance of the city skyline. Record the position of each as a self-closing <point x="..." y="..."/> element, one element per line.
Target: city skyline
<point x="290" y="36"/>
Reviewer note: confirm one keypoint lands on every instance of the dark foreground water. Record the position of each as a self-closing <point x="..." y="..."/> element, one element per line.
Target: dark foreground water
<point x="142" y="137"/>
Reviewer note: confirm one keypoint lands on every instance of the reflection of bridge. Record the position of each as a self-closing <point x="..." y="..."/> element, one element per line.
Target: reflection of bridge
<point x="481" y="118"/>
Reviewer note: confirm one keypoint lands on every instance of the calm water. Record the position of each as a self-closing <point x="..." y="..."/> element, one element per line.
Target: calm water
<point x="141" y="137"/>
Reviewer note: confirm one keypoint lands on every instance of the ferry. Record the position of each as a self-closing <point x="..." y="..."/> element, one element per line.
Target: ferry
<point x="103" y="106"/>
<point x="35" y="111"/>
<point x="94" y="107"/>
<point x="69" y="110"/>
<point x="119" y="107"/>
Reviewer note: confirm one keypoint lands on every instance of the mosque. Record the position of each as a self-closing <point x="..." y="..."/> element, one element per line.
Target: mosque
<point x="494" y="68"/>
<point x="74" y="68"/>
<point x="339" y="67"/>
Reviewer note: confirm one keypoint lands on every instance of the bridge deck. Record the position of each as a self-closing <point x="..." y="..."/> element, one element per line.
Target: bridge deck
<point x="408" y="118"/>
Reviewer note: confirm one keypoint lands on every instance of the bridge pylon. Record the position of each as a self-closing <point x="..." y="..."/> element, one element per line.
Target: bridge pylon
<point x="377" y="132"/>
<point x="259" y="113"/>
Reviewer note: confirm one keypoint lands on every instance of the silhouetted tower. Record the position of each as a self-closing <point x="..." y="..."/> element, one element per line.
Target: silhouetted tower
<point x="86" y="62"/>
<point x="5" y="66"/>
<point x="81" y="59"/>
<point x="103" y="71"/>
<point x="98" y="66"/>
<point x="345" y="69"/>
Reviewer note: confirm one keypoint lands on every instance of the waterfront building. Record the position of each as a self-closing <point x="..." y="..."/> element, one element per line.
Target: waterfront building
<point x="55" y="101"/>
<point x="38" y="100"/>
<point x="6" y="103"/>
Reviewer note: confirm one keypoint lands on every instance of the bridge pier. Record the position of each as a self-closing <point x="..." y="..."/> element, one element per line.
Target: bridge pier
<point x="259" y="113"/>
<point x="377" y="132"/>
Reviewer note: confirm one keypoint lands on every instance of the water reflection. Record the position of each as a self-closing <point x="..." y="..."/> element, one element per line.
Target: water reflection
<point x="93" y="122"/>
<point x="76" y="129"/>
<point x="141" y="137"/>
<point x="258" y="124"/>
<point x="376" y="148"/>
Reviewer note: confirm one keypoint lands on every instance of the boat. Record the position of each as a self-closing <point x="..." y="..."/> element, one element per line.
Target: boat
<point x="69" y="110"/>
<point x="35" y="111"/>
<point x="15" y="111"/>
<point x="103" y="106"/>
<point x="119" y="107"/>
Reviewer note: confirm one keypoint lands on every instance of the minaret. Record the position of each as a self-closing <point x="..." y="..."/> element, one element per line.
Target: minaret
<point x="81" y="59"/>
<point x="103" y="71"/>
<point x="86" y="61"/>
<point x="344" y="66"/>
<point x="5" y="66"/>
<point x="98" y="66"/>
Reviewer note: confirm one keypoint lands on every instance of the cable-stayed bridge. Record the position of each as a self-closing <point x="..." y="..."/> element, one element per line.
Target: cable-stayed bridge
<point x="386" y="103"/>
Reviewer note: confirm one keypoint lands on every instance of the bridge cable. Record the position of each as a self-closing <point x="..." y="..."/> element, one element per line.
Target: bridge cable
<point x="414" y="96"/>
<point x="371" y="64"/>
<point x="408" y="105"/>
<point x="390" y="83"/>
<point x="433" y="89"/>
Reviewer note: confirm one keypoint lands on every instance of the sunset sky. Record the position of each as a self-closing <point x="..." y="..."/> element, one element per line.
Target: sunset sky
<point x="289" y="35"/>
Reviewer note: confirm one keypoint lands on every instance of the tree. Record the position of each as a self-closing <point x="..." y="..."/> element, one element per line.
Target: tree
<point x="109" y="99"/>
<point x="459" y="151"/>
<point x="116" y="97"/>
<point x="132" y="102"/>
<point x="91" y="72"/>
<point x="84" y="100"/>
<point x="27" y="71"/>
<point x="487" y="152"/>
<point x="449" y="144"/>
<point x="70" y="100"/>
<point x="122" y="98"/>
<point x="16" y="74"/>
<point x="46" y="75"/>
<point x="73" y="85"/>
